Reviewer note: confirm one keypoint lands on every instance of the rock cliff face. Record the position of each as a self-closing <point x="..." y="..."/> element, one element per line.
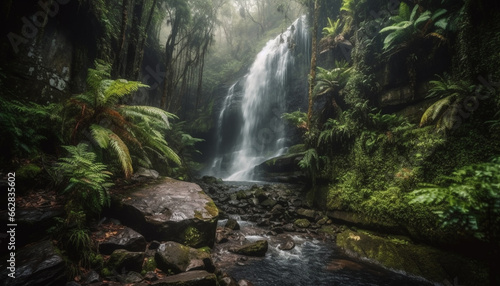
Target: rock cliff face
<point x="48" y="48"/>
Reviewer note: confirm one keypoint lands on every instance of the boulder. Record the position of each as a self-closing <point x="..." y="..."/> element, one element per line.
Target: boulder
<point x="302" y="223"/>
<point x="32" y="223"/>
<point x="232" y="224"/>
<point x="286" y="243"/>
<point x="191" y="278"/>
<point x="170" y="210"/>
<point x="123" y="261"/>
<point x="145" y="174"/>
<point x="35" y="264"/>
<point x="258" y="248"/>
<point x="175" y="257"/>
<point x="415" y="259"/>
<point x="244" y="282"/>
<point x="228" y="281"/>
<point x="281" y="169"/>
<point x="126" y="238"/>
<point x="307" y="213"/>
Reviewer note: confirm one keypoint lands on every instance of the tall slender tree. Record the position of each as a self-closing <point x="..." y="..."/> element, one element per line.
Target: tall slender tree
<point x="312" y="74"/>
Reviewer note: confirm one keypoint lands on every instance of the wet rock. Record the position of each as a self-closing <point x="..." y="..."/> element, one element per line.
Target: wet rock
<point x="258" y="248"/>
<point x="132" y="278"/>
<point x="222" y="235"/>
<point x="211" y="180"/>
<point x="307" y="213"/>
<point x="244" y="282"/>
<point x="302" y="223"/>
<point x="36" y="264"/>
<point x="177" y="258"/>
<point x="191" y="278"/>
<point x="170" y="210"/>
<point x="232" y="224"/>
<point x="123" y="261"/>
<point x="145" y="174"/>
<point x="228" y="281"/>
<point x="339" y="264"/>
<point x="286" y="243"/>
<point x="151" y="276"/>
<point x="289" y="227"/>
<point x="92" y="277"/>
<point x="126" y="238"/>
<point x="32" y="223"/>
<point x="269" y="203"/>
<point x="154" y="245"/>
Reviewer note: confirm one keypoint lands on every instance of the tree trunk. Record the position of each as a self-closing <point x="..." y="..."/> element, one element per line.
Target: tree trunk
<point x="135" y="38"/>
<point x="312" y="75"/>
<point x="169" y="51"/>
<point x="121" y="57"/>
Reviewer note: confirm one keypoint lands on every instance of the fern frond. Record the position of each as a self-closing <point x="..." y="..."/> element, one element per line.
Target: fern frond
<point x="117" y="89"/>
<point x="152" y="111"/>
<point x="100" y="135"/>
<point x="435" y="110"/>
<point x="123" y="154"/>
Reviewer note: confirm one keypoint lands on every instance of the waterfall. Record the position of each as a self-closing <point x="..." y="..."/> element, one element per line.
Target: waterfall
<point x="262" y="100"/>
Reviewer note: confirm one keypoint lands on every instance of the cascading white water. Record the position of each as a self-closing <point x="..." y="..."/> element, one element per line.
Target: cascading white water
<point x="263" y="101"/>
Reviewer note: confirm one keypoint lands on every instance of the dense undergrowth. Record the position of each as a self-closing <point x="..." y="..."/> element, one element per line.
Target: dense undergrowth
<point x="436" y="177"/>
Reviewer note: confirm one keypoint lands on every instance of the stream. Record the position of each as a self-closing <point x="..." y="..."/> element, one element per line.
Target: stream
<point x="314" y="260"/>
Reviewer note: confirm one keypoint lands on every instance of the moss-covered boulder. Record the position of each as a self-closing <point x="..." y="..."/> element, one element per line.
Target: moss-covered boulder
<point x="169" y="210"/>
<point x="302" y="223"/>
<point x="425" y="261"/>
<point x="123" y="260"/>
<point x="173" y="257"/>
<point x="258" y="248"/>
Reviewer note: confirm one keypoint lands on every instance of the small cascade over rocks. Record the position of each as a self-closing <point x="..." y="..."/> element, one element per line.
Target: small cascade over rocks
<point x="256" y="132"/>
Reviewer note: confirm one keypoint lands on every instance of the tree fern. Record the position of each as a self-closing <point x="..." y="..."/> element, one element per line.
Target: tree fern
<point x="87" y="180"/>
<point x="125" y="131"/>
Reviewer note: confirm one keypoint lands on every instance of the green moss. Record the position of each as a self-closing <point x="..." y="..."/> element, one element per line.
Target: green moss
<point x="212" y="208"/>
<point x="192" y="236"/>
<point x="149" y="265"/>
<point x="205" y="249"/>
<point x="295" y="149"/>
<point x="302" y="223"/>
<point x="105" y="272"/>
<point x="400" y="253"/>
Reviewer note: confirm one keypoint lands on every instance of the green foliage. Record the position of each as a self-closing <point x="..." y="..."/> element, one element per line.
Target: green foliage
<point x="185" y="144"/>
<point x="329" y="80"/>
<point x="296" y="118"/>
<point x="132" y="134"/>
<point x="450" y="93"/>
<point x="408" y="25"/>
<point x="312" y="163"/>
<point x="24" y="127"/>
<point x="331" y="29"/>
<point x="87" y="180"/>
<point x="470" y="199"/>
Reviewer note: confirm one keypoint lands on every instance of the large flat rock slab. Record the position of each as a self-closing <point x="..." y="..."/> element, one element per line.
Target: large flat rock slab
<point x="169" y="210"/>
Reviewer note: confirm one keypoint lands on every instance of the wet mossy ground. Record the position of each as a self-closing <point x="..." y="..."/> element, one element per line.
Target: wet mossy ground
<point x="415" y="259"/>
